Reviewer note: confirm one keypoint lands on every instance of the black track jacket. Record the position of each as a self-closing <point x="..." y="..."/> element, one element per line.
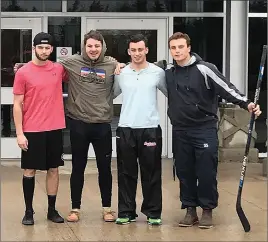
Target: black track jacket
<point x="193" y="92"/>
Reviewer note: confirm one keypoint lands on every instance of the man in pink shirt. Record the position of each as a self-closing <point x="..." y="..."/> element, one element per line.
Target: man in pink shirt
<point x="39" y="120"/>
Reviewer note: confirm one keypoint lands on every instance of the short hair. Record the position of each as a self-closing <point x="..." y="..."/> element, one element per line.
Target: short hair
<point x="93" y="34"/>
<point x="179" y="35"/>
<point x="137" y="38"/>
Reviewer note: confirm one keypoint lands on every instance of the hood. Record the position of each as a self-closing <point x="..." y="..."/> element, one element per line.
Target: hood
<point x="194" y="58"/>
<point x="197" y="57"/>
<point x="85" y="56"/>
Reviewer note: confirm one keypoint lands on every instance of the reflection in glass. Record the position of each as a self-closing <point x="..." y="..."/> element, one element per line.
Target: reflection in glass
<point x="31" y="5"/>
<point x="66" y="32"/>
<point x="258" y="6"/>
<point x="145" y="6"/>
<point x="117" y="45"/>
<point x="7" y="122"/>
<point x="16" y="46"/>
<point x="258" y="38"/>
<point x="206" y="36"/>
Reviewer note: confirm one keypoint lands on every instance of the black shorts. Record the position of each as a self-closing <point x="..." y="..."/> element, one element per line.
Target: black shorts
<point x="45" y="150"/>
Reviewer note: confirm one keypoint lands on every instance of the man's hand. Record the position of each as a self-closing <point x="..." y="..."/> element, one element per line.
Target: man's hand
<point x="118" y="68"/>
<point x="111" y="58"/>
<point x="22" y="142"/>
<point x="18" y="66"/>
<point x="255" y="110"/>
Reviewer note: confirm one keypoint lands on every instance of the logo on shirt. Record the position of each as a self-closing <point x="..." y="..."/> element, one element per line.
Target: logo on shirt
<point x="100" y="73"/>
<point x="85" y="71"/>
<point x="148" y="144"/>
<point x="93" y="75"/>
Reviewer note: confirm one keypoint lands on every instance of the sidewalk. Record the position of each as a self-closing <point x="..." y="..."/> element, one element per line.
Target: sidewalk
<point x="92" y="228"/>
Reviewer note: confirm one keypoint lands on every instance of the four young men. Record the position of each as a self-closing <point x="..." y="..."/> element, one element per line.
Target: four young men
<point x="193" y="87"/>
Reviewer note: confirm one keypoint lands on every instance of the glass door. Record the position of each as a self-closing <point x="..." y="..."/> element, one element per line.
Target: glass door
<point x="116" y="33"/>
<point x="16" y="47"/>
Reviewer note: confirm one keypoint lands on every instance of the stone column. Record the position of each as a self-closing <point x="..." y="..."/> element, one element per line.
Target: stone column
<point x="237" y="43"/>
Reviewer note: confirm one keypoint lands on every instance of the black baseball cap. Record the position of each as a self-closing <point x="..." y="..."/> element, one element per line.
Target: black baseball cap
<point x="43" y="38"/>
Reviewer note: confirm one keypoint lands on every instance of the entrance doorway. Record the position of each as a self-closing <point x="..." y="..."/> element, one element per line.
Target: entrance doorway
<point x="116" y="33"/>
<point x="16" y="47"/>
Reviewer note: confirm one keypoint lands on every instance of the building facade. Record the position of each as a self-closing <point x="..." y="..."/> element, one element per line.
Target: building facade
<point x="228" y="33"/>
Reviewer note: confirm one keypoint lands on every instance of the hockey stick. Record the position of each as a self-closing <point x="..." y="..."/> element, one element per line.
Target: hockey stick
<point x="239" y="209"/>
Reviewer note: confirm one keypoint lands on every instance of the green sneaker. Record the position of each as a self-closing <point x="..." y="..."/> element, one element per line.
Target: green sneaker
<point x="154" y="221"/>
<point x="125" y="220"/>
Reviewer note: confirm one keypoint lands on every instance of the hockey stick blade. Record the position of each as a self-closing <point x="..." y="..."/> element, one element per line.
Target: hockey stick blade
<point x="243" y="219"/>
<point x="239" y="209"/>
<point x="242" y="216"/>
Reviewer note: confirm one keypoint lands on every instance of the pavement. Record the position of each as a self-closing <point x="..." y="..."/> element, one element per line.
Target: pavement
<point x="92" y="228"/>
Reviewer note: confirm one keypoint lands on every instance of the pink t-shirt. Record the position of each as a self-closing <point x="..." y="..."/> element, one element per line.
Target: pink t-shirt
<point x="41" y="86"/>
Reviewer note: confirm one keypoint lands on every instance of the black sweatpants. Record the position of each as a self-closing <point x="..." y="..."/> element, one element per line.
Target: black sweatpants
<point x="196" y="160"/>
<point x="81" y="135"/>
<point x="146" y="146"/>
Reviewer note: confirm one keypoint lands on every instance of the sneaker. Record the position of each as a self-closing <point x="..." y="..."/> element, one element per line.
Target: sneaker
<point x="54" y="216"/>
<point x="28" y="218"/>
<point x="206" y="219"/>
<point x="125" y="220"/>
<point x="190" y="218"/>
<point x="154" y="221"/>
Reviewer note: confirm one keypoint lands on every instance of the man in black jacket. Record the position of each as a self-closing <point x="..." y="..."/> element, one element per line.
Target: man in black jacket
<point x="193" y="89"/>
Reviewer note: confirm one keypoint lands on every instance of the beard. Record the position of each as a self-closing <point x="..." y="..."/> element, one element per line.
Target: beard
<point x="41" y="58"/>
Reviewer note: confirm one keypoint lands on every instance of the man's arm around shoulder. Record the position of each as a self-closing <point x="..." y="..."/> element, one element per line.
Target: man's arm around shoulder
<point x="116" y="87"/>
<point x="162" y="85"/>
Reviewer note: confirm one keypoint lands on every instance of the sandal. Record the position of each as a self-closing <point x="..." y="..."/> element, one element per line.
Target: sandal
<point x="73" y="216"/>
<point x="108" y="216"/>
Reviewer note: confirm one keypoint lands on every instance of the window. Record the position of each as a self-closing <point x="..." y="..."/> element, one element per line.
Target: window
<point x="258" y="38"/>
<point x="145" y="6"/>
<point x="67" y="33"/>
<point x="7" y="121"/>
<point x="258" y="6"/>
<point x="206" y="37"/>
<point x="31" y="6"/>
<point x="16" y="47"/>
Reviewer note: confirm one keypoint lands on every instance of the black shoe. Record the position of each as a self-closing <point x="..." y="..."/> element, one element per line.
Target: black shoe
<point x="190" y="218"/>
<point x="28" y="218"/>
<point x="206" y="219"/>
<point x="54" y="216"/>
